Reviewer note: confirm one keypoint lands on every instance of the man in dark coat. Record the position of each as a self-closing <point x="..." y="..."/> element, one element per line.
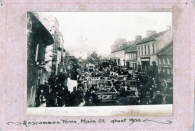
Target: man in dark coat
<point x="73" y="97"/>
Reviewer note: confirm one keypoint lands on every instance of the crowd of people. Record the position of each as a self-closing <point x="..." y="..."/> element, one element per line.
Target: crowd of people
<point x="129" y="87"/>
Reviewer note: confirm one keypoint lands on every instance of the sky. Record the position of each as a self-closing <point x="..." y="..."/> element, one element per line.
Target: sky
<point x="101" y="29"/>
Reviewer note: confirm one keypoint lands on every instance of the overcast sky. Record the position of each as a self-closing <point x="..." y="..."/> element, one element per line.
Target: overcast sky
<point x="100" y="29"/>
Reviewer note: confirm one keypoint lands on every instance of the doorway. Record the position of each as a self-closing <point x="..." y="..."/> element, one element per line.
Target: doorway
<point x="127" y="64"/>
<point x="145" y="65"/>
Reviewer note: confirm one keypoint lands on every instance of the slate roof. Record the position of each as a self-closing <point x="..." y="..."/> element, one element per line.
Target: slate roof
<point x="150" y="38"/>
<point x="132" y="48"/>
<point x="124" y="47"/>
<point x="167" y="50"/>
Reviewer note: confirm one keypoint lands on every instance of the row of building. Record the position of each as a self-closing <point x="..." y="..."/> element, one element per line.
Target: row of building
<point x="155" y="48"/>
<point x="45" y="52"/>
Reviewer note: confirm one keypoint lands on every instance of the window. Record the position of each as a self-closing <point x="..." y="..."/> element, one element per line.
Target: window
<point x="135" y="55"/>
<point x="138" y="51"/>
<point x="153" y="48"/>
<point x="37" y="52"/>
<point x="148" y="49"/>
<point x="142" y="50"/>
<point x="145" y="49"/>
<point x="131" y="56"/>
<point x="168" y="61"/>
<point x="164" y="61"/>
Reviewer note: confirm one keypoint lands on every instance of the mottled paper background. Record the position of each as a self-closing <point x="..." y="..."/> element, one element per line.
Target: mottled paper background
<point x="13" y="59"/>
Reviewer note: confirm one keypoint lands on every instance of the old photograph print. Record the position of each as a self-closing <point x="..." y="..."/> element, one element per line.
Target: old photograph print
<point x="89" y="59"/>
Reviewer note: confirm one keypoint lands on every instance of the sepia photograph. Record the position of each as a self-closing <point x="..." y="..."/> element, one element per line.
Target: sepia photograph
<point x="97" y="65"/>
<point x="94" y="59"/>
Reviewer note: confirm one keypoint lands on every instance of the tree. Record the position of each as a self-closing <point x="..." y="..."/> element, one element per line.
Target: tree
<point x="73" y="68"/>
<point x="94" y="58"/>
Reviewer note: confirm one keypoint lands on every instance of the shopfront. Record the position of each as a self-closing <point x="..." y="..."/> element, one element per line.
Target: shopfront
<point x="145" y="63"/>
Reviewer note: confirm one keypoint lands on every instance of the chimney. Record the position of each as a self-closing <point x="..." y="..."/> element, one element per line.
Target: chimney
<point x="150" y="32"/>
<point x="138" y="37"/>
<point x="168" y="27"/>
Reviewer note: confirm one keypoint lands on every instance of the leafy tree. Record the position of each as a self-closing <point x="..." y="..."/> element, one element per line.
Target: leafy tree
<point x="94" y="58"/>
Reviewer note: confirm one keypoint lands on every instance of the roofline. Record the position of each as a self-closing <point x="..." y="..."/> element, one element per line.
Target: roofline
<point x="130" y="51"/>
<point x="153" y="39"/>
<point x="146" y="42"/>
<point x="134" y="44"/>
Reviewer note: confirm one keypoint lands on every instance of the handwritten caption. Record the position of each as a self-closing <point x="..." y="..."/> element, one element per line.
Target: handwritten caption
<point x="87" y="121"/>
<point x="105" y="111"/>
